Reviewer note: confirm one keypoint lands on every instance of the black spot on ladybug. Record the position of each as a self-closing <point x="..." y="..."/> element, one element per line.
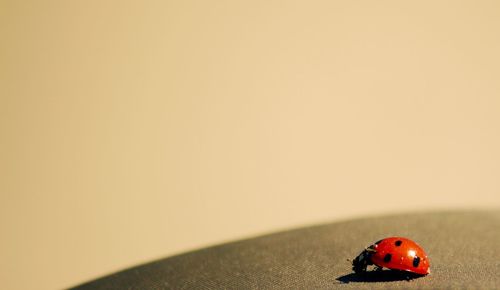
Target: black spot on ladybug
<point x="398" y="243"/>
<point x="416" y="261"/>
<point x="388" y="257"/>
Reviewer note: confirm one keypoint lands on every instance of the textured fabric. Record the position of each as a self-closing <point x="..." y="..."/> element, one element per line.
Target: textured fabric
<point x="463" y="248"/>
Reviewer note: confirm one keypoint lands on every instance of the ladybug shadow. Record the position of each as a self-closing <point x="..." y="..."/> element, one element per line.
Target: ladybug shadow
<point x="378" y="276"/>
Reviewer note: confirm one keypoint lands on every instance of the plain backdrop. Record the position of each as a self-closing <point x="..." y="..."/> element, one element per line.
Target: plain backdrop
<point x="135" y="130"/>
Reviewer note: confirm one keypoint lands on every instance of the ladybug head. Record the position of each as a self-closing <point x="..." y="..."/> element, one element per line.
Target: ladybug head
<point x="363" y="260"/>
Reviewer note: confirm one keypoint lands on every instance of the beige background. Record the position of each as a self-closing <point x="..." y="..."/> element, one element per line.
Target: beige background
<point x="133" y="130"/>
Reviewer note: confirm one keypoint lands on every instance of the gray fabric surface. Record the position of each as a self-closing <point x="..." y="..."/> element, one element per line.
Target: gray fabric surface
<point x="463" y="247"/>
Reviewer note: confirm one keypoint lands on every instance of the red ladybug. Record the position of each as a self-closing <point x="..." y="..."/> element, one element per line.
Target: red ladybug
<point x="395" y="253"/>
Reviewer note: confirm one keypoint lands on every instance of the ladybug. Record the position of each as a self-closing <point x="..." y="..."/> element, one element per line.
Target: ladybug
<point x="395" y="253"/>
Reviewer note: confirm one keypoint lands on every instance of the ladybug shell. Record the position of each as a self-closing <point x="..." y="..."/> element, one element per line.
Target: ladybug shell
<point x="399" y="253"/>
